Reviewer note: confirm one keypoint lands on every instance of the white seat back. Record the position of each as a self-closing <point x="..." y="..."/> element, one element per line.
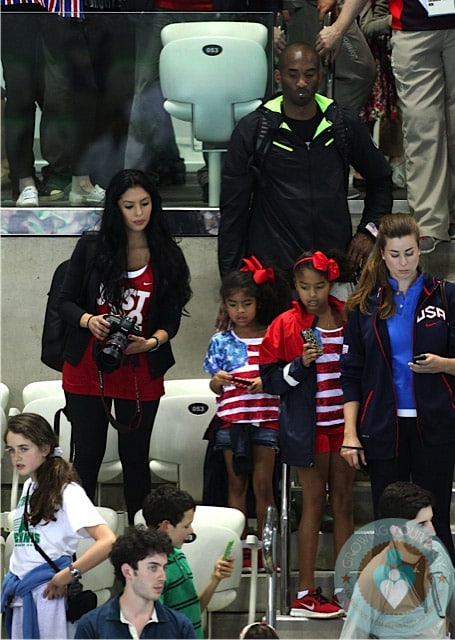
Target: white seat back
<point x="185" y="386"/>
<point x="42" y="389"/>
<point x="102" y="577"/>
<point x="212" y="74"/>
<point x="48" y="406"/>
<point x="213" y="82"/>
<point x="222" y="516"/>
<point x="3" y="423"/>
<point x="202" y="554"/>
<point x="15" y="476"/>
<point x="177" y="448"/>
<point x="247" y="30"/>
<point x="4" y="396"/>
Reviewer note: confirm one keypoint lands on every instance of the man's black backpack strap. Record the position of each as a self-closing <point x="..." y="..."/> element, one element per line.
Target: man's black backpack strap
<point x="263" y="141"/>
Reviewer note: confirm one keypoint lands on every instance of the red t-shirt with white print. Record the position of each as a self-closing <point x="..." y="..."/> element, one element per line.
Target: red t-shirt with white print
<point x="134" y="372"/>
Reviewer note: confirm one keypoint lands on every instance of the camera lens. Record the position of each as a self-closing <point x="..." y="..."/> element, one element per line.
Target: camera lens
<point x="110" y="356"/>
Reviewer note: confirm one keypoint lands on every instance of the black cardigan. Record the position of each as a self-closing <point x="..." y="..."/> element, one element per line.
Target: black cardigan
<point x="78" y="296"/>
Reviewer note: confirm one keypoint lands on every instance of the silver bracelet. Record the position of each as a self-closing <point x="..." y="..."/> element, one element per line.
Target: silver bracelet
<point x="158" y="344"/>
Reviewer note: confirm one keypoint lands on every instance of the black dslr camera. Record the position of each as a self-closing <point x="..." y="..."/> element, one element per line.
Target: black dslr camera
<point x="109" y="357"/>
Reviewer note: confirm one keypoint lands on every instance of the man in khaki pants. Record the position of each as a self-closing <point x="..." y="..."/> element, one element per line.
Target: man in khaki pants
<point x="423" y="54"/>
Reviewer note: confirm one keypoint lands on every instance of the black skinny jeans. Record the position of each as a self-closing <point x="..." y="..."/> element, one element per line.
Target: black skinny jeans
<point x="90" y="425"/>
<point x="429" y="466"/>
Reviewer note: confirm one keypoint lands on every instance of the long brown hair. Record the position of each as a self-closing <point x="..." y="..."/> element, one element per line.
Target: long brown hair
<point x="52" y="476"/>
<point x="375" y="273"/>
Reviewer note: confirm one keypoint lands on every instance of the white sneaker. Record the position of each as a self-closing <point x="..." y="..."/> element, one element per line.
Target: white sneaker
<point x="398" y="175"/>
<point x="28" y="197"/>
<point x="95" y="196"/>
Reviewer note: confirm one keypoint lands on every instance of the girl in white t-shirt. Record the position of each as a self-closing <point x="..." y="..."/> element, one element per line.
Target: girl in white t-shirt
<point x="56" y="511"/>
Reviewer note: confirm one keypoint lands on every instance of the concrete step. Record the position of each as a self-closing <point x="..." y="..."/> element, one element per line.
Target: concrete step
<point x="228" y="622"/>
<point x="323" y="579"/>
<point x="229" y="625"/>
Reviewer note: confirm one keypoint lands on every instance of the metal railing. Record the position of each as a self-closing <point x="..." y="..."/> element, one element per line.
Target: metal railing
<point x="269" y="559"/>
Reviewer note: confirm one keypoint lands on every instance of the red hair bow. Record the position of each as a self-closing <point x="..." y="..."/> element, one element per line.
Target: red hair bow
<point x="321" y="262"/>
<point x="260" y="275"/>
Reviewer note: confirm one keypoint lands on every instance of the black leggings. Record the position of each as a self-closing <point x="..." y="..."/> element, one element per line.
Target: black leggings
<point x="429" y="466"/>
<point x="90" y="425"/>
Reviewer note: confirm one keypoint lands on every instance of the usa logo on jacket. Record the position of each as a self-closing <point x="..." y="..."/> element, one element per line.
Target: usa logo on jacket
<point x="431" y="312"/>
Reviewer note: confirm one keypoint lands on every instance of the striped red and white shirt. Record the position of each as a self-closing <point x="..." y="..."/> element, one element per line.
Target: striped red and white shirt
<point x="237" y="405"/>
<point x="329" y="394"/>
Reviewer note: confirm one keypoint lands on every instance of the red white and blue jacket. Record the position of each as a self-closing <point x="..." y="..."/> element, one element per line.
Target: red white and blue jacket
<point x="366" y="372"/>
<point x="283" y="374"/>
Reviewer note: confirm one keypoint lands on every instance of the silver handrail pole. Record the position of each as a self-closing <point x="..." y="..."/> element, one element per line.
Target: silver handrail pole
<point x="285" y="576"/>
<point x="269" y="555"/>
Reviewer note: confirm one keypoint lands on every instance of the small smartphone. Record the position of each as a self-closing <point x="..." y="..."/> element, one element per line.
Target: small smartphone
<point x="311" y="337"/>
<point x="240" y="382"/>
<point x="228" y="549"/>
<point x="419" y="358"/>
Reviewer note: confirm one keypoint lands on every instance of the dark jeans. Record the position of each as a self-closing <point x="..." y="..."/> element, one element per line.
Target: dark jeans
<point x="429" y="466"/>
<point x="110" y="41"/>
<point x="22" y="64"/>
<point x="90" y="425"/>
<point x="45" y="62"/>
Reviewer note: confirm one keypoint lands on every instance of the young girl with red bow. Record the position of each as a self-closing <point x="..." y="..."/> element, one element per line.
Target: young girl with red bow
<point x="248" y="417"/>
<point x="311" y="415"/>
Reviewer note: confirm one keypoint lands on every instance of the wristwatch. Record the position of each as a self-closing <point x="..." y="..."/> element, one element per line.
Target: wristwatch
<point x="77" y="575"/>
<point x="372" y="229"/>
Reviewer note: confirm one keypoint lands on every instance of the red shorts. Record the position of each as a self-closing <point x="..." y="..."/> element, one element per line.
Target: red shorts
<point x="328" y="440"/>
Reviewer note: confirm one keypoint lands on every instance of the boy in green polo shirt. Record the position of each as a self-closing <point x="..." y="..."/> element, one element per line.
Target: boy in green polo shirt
<point x="172" y="510"/>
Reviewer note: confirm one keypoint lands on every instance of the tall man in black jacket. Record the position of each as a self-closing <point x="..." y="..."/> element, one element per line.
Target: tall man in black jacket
<point x="290" y="195"/>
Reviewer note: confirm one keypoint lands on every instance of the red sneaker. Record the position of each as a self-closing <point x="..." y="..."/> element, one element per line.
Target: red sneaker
<point x="315" y="605"/>
<point x="336" y="601"/>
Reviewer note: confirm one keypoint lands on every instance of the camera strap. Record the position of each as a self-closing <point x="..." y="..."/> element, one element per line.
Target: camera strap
<point x="32" y="538"/>
<point x="136" y="419"/>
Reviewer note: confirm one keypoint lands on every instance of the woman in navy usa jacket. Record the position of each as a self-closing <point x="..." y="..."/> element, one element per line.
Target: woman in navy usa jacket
<point x="400" y="414"/>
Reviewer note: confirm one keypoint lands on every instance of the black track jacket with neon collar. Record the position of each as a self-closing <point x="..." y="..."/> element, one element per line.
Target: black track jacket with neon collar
<point x="300" y="201"/>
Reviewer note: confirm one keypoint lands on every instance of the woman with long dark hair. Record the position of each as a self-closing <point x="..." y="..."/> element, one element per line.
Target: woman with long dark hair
<point x="123" y="297"/>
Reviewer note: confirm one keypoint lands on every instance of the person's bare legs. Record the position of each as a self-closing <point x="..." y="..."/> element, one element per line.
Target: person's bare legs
<point x="237" y="486"/>
<point x="313" y="482"/>
<point x="341" y="477"/>
<point x="263" y="465"/>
